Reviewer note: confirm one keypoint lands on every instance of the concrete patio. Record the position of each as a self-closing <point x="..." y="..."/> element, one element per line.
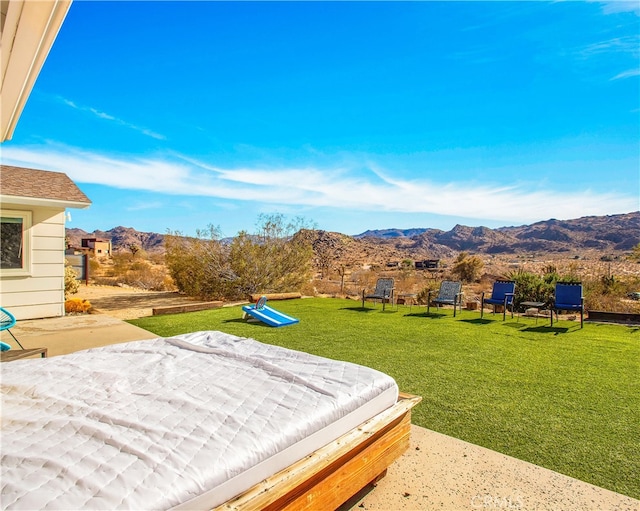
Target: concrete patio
<point x="437" y="472"/>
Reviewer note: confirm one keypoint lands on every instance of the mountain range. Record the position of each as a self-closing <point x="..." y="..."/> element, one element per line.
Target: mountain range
<point x="606" y="234"/>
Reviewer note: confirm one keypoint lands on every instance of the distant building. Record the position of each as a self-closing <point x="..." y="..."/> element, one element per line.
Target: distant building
<point x="99" y="247"/>
<point x="428" y="264"/>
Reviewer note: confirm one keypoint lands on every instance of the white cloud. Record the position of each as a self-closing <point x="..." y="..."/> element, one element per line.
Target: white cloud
<point x="342" y="187"/>
<point x="108" y="117"/>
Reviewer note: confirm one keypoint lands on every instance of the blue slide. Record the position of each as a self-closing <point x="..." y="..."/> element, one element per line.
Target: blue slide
<point x="266" y="314"/>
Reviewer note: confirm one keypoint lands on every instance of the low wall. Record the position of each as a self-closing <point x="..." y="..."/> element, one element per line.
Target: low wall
<point x="192" y="307"/>
<point x="625" y="318"/>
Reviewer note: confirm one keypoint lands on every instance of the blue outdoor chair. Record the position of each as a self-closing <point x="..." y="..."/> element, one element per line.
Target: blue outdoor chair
<point x="7" y="320"/>
<point x="568" y="297"/>
<point x="502" y="294"/>
<point x="450" y="293"/>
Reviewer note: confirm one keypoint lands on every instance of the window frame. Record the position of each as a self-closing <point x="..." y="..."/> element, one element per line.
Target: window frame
<point x="27" y="224"/>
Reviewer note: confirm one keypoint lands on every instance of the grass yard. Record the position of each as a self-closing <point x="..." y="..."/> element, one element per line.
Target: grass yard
<point x="563" y="398"/>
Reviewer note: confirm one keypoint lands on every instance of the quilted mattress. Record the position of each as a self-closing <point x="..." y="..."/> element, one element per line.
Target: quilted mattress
<point x="183" y="421"/>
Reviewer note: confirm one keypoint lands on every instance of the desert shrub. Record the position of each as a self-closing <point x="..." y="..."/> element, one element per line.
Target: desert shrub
<point x="71" y="282"/>
<point x="610" y="293"/>
<point x="423" y="294"/>
<point x="135" y="271"/>
<point x="199" y="265"/>
<point x="308" y="289"/>
<point x="94" y="265"/>
<point x="156" y="258"/>
<point x="407" y="282"/>
<point x="326" y="287"/>
<point x="355" y="282"/>
<point x="276" y="259"/>
<point x="533" y="288"/>
<point x="77" y="305"/>
<point x="104" y="281"/>
<point x="144" y="275"/>
<point x="467" y="268"/>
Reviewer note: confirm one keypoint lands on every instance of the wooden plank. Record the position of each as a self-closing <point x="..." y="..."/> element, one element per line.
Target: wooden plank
<point x="8" y="356"/>
<point x="191" y="307"/>
<point x="275" y="296"/>
<point x="331" y="475"/>
<point x="340" y="481"/>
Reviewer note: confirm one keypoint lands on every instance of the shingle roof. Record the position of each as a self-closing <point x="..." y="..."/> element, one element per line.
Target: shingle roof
<point x="39" y="184"/>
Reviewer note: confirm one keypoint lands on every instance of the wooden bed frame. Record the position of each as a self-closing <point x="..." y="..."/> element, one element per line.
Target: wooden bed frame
<point x="333" y="474"/>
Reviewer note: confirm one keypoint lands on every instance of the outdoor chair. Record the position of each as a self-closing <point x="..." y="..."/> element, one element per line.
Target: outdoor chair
<point x="383" y="292"/>
<point x="7" y="320"/>
<point x="450" y="293"/>
<point x="502" y="294"/>
<point x="568" y="297"/>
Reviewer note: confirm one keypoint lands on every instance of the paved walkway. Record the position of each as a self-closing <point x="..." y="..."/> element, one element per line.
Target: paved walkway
<point x="438" y="472"/>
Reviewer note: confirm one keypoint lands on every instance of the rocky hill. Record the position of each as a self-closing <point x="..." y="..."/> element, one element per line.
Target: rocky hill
<point x="121" y="239"/>
<point x="607" y="234"/>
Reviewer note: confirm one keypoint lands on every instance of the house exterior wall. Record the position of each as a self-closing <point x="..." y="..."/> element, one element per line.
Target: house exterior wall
<point x="40" y="294"/>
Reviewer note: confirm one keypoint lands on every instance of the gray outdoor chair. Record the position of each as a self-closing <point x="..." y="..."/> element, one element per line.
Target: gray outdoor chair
<point x="450" y="293"/>
<point x="383" y="292"/>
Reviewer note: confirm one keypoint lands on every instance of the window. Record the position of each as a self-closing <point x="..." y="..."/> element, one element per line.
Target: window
<point x="15" y="242"/>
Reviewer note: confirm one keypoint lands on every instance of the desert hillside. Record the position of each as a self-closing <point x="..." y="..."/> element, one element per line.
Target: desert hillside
<point x="599" y="237"/>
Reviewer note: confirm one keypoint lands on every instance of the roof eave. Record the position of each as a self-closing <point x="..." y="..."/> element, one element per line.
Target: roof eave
<point x="15" y="200"/>
<point x="30" y="28"/>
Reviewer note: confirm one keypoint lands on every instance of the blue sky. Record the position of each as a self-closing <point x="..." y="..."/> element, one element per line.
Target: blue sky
<point x="352" y="115"/>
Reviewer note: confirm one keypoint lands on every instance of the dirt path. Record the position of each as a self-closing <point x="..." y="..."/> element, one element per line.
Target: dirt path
<point x="127" y="302"/>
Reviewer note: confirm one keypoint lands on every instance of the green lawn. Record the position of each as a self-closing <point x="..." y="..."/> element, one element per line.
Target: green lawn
<point x="564" y="398"/>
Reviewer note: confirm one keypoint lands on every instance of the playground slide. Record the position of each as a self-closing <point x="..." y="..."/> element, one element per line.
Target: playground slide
<point x="269" y="316"/>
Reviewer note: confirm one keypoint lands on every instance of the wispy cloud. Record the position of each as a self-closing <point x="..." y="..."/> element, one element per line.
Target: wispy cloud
<point x="616" y="6"/>
<point x="617" y="45"/>
<point x="627" y="74"/>
<point x="108" y="117"/>
<point x="142" y="206"/>
<point x="339" y="187"/>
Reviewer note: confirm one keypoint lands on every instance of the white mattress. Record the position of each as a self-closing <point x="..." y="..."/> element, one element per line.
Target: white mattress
<point x="194" y="419"/>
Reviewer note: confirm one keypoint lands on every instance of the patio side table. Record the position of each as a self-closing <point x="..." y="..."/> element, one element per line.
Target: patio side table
<point x="533" y="305"/>
<point x="407" y="297"/>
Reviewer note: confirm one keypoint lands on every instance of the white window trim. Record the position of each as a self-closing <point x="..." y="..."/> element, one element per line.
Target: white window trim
<point x="27" y="223"/>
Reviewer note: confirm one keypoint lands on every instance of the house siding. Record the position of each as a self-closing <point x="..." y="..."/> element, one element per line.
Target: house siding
<point x="41" y="294"/>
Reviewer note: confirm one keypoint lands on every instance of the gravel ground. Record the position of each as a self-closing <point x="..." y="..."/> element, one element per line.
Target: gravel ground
<point x="127" y="302"/>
